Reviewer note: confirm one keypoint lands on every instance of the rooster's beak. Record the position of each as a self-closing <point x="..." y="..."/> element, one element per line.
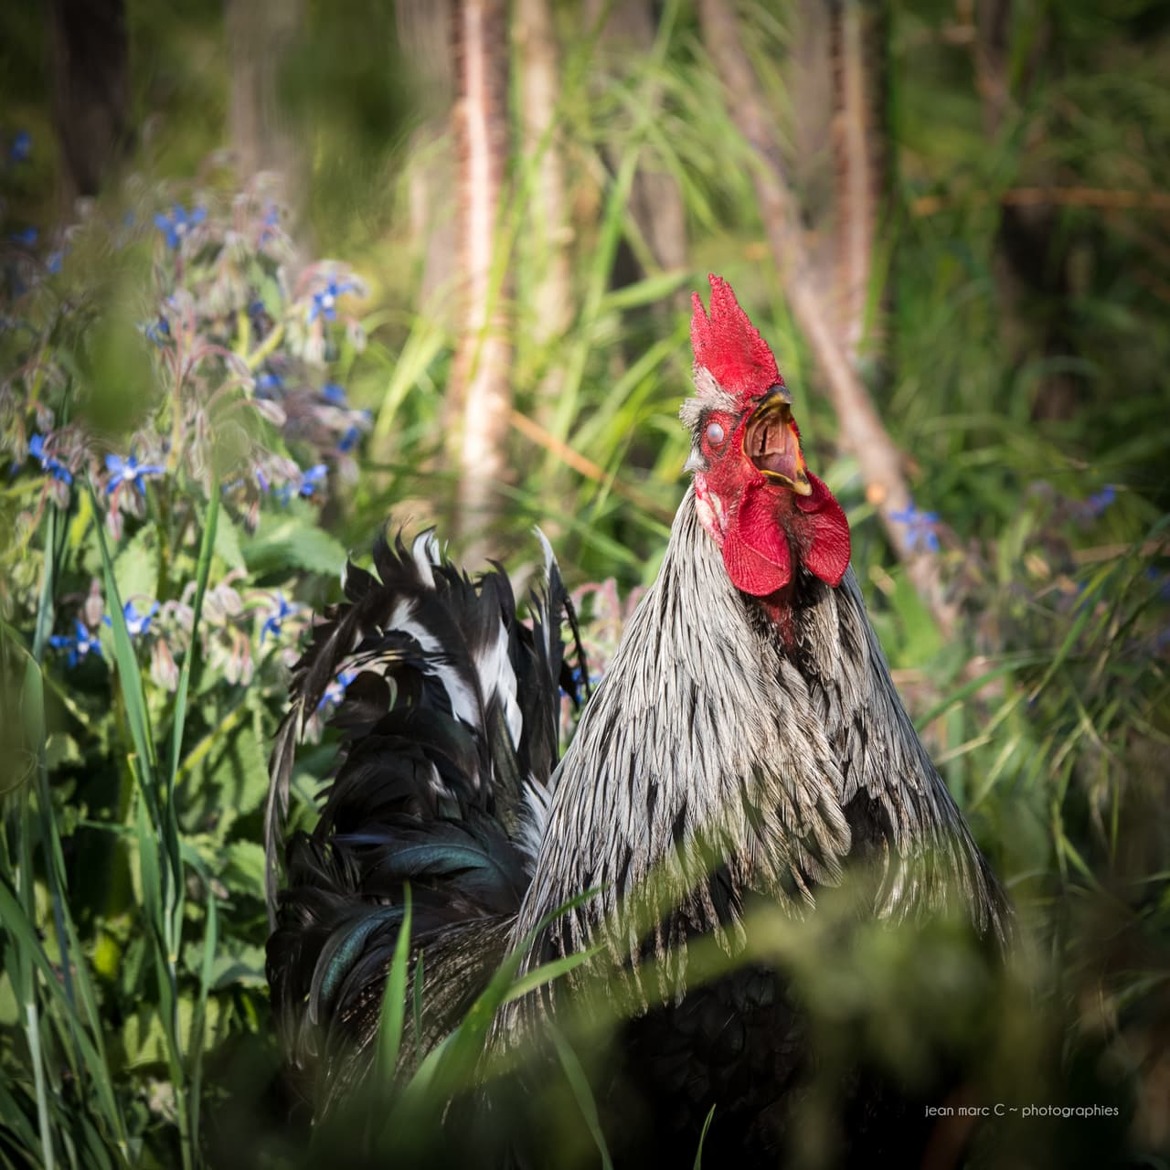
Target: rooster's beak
<point x="772" y="442"/>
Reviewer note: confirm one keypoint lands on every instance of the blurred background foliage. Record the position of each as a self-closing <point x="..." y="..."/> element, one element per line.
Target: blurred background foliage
<point x="198" y="416"/>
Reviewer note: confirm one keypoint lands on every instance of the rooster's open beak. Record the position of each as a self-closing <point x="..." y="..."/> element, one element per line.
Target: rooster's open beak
<point x="771" y="442"/>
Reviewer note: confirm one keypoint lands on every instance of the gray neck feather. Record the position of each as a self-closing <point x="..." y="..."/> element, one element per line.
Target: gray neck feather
<point x="708" y="732"/>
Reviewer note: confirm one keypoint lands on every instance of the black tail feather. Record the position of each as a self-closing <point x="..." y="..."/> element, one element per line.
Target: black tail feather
<point x="452" y="716"/>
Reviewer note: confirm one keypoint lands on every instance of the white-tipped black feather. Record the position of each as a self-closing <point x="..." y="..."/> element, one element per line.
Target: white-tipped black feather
<point x="449" y="719"/>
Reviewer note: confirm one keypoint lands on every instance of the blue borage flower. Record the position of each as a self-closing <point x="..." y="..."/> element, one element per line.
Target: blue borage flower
<point x="593" y="681"/>
<point x="57" y="469"/>
<point x="268" y="382"/>
<point x="158" y="331"/>
<point x="55" y="260"/>
<point x="1161" y="581"/>
<point x="274" y="621"/>
<point x="129" y="470"/>
<point x="80" y="644"/>
<point x="306" y="486"/>
<point x="1098" y="502"/>
<point x="324" y="302"/>
<point x="25" y="237"/>
<point x="334" y="694"/>
<point x="136" y="623"/>
<point x="177" y="222"/>
<point x="349" y="440"/>
<point x="20" y="149"/>
<point x="920" y="528"/>
<point x="333" y="393"/>
<point x="269" y="224"/>
<point x="313" y="478"/>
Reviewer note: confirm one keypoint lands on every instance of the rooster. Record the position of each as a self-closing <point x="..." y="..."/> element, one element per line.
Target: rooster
<point x="747" y="723"/>
<point x="747" y="743"/>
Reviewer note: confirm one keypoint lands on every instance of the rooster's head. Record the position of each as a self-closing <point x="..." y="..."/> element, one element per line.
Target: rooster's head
<point x="755" y="496"/>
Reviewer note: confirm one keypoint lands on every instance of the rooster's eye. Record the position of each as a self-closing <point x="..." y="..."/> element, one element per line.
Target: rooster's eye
<point x="715" y="434"/>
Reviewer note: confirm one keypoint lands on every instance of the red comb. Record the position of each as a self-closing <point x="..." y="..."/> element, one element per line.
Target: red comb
<point x="729" y="345"/>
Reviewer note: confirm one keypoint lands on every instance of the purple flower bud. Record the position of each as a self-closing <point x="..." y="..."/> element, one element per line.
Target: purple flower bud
<point x="162" y="666"/>
<point x="21" y="148"/>
<point x="1098" y="502"/>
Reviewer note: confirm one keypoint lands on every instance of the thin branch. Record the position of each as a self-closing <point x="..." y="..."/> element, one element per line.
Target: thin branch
<point x="1113" y="552"/>
<point x="1105" y="198"/>
<point x="579" y="463"/>
<point x="862" y="431"/>
<point x="856" y="197"/>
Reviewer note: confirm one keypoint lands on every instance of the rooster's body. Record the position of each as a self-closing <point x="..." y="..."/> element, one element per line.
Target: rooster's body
<point x="746" y="743"/>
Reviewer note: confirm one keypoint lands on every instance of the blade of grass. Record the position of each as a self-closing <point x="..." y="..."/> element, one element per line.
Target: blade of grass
<point x="202" y="573"/>
<point x="206" y="970"/>
<point x="129" y="674"/>
<point x="438" y="1074"/>
<point x="393" y="1013"/>
<point x="579" y="1084"/>
<point x="162" y="884"/>
<point x="703" y="1138"/>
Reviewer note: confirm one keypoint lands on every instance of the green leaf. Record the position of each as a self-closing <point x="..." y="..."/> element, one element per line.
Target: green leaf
<point x="239" y="965"/>
<point x="245" y="868"/>
<point x="227" y="543"/>
<point x="292" y="541"/>
<point x="236" y="775"/>
<point x="136" y="565"/>
<point x="146" y="1039"/>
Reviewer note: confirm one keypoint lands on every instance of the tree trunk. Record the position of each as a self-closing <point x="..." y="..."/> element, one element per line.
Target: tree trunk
<point x="91" y="92"/>
<point x="551" y="232"/>
<point x="858" y="142"/>
<point x="480" y="386"/>
<point x="810" y="79"/>
<point x="835" y="75"/>
<point x="425" y="38"/>
<point x="258" y="35"/>
<point x="546" y="243"/>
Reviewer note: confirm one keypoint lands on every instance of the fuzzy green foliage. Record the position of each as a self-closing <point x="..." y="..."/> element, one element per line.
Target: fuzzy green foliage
<point x="160" y="528"/>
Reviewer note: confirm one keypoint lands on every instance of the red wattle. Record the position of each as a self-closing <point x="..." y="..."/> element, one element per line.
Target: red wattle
<point x="827" y="555"/>
<point x="755" y="548"/>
